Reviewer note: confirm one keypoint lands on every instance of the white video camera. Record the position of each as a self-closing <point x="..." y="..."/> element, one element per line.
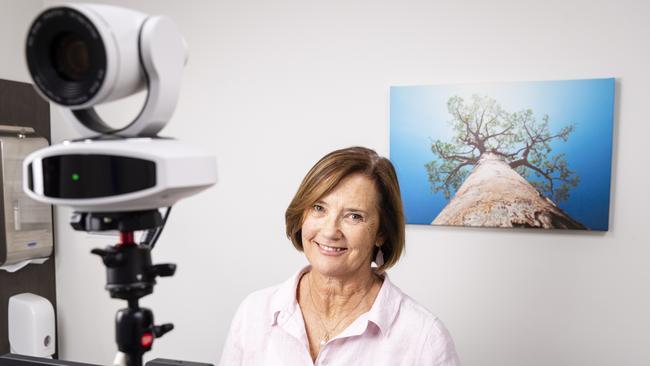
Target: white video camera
<point x="82" y="55"/>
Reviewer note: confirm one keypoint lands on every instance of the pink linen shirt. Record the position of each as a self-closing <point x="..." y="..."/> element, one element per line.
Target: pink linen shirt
<point x="268" y="329"/>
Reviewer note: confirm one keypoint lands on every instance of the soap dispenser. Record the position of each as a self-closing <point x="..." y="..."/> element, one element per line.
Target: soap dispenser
<point x="31" y="325"/>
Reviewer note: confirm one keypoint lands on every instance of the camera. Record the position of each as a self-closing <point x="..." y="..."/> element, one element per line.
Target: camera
<point x="82" y="55"/>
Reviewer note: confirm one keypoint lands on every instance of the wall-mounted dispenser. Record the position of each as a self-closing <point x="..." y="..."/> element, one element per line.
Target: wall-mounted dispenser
<point x="31" y="325"/>
<point x="25" y="225"/>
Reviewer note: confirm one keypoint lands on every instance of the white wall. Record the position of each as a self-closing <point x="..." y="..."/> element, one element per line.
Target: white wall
<point x="15" y="18"/>
<point x="273" y="86"/>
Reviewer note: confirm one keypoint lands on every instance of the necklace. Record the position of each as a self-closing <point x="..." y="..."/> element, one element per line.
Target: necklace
<point x="326" y="337"/>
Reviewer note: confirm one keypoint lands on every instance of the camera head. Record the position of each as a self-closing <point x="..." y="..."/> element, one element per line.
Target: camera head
<point x="82" y="55"/>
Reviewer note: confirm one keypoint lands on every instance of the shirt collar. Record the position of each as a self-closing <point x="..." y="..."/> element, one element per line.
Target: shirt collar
<point x="284" y="299"/>
<point x="382" y="313"/>
<point x="386" y="305"/>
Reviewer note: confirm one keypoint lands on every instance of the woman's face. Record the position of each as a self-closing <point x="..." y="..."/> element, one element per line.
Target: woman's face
<point x="340" y="230"/>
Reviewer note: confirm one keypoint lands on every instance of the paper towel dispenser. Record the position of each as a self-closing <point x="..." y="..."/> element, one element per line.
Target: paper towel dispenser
<point x="25" y="224"/>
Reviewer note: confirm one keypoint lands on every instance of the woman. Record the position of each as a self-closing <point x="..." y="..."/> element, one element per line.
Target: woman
<point x="340" y="310"/>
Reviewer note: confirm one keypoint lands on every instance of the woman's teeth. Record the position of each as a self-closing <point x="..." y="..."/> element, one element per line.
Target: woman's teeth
<point x="330" y="249"/>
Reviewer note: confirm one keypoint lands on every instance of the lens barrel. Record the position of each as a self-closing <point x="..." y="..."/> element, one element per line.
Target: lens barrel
<point x="66" y="56"/>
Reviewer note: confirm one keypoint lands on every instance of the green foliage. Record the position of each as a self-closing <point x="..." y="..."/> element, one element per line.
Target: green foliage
<point x="441" y="178"/>
<point x="482" y="126"/>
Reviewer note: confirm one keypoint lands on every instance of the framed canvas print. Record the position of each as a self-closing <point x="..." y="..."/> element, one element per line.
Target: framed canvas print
<point x="521" y="154"/>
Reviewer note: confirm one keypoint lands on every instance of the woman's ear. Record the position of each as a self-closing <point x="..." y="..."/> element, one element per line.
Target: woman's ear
<point x="379" y="240"/>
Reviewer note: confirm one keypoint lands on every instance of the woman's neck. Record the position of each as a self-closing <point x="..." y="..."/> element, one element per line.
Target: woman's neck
<point x="335" y="296"/>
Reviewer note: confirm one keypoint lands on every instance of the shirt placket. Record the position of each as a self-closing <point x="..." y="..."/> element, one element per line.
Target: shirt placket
<point x="292" y="323"/>
<point x="356" y="329"/>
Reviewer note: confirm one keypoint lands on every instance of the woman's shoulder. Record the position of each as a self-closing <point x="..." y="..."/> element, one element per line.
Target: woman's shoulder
<point x="254" y="311"/>
<point x="261" y="298"/>
<point x="403" y="305"/>
<point x="425" y="331"/>
<point x="412" y="313"/>
<point x="416" y="308"/>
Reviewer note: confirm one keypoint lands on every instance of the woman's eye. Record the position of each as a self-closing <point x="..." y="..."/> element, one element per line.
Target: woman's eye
<point x="356" y="217"/>
<point x="318" y="208"/>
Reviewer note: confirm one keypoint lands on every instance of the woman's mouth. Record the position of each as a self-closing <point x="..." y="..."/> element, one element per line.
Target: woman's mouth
<point x="330" y="250"/>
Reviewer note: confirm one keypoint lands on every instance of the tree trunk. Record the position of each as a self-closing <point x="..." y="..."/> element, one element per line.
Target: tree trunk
<point x="494" y="195"/>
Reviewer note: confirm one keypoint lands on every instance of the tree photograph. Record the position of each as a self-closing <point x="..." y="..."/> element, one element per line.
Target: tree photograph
<point x="526" y="154"/>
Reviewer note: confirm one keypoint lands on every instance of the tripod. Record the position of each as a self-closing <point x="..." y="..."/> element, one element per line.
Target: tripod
<point x="130" y="275"/>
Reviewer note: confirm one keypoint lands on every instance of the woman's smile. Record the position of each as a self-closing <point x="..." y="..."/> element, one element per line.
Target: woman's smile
<point x="332" y="251"/>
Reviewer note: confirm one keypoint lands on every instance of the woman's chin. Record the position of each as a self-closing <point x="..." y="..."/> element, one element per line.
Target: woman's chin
<point x="327" y="269"/>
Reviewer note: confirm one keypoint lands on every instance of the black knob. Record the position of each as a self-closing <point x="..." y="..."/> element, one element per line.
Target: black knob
<point x="160" y="330"/>
<point x="164" y="269"/>
<point x="110" y="257"/>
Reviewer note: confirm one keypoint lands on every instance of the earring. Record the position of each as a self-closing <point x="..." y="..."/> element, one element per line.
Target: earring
<point x="379" y="260"/>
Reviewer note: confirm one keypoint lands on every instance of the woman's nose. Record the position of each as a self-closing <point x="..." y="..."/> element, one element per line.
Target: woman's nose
<point x="330" y="228"/>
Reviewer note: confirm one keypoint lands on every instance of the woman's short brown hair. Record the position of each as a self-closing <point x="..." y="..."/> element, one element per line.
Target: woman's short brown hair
<point x="328" y="172"/>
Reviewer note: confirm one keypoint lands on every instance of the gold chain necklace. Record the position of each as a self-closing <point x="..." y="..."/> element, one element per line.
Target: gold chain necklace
<point x="326" y="337"/>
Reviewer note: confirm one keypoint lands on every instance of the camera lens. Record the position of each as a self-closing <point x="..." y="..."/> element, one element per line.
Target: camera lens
<point x="71" y="57"/>
<point x="66" y="56"/>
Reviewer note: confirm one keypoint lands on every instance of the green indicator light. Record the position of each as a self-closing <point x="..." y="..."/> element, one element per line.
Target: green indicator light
<point x="75" y="177"/>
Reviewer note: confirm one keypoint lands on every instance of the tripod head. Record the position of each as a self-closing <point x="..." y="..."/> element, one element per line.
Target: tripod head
<point x="130" y="275"/>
